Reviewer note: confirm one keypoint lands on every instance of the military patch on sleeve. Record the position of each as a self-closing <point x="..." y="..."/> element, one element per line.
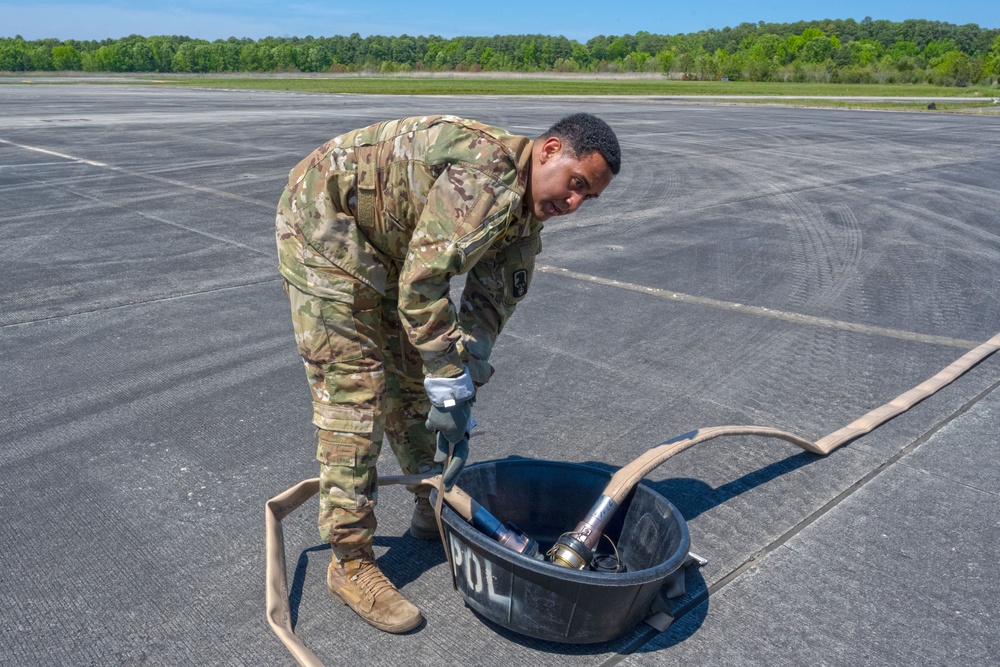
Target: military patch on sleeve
<point x="519" y="283"/>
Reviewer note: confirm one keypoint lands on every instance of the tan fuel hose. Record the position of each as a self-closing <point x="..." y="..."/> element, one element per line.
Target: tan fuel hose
<point x="623" y="481"/>
<point x="279" y="613"/>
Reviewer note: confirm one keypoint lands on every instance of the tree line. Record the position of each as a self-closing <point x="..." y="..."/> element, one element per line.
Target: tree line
<point x="841" y="51"/>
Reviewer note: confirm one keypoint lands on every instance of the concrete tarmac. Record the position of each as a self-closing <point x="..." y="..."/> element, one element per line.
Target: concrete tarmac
<point x="780" y="267"/>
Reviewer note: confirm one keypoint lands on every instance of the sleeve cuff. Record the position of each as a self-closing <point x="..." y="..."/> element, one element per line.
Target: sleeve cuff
<point x="444" y="366"/>
<point x="445" y="392"/>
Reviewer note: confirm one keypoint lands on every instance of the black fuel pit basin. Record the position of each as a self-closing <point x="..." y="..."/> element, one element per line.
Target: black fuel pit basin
<point x="545" y="601"/>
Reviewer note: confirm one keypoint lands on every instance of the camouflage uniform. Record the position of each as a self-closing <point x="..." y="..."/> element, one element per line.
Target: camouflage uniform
<point x="371" y="228"/>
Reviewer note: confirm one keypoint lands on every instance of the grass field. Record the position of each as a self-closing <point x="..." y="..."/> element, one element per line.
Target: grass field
<point x="976" y="99"/>
<point x="389" y="85"/>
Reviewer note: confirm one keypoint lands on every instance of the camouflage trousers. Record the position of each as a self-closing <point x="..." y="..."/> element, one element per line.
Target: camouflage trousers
<point x="366" y="381"/>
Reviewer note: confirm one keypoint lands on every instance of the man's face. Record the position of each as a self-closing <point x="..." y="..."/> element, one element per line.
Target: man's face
<point x="560" y="181"/>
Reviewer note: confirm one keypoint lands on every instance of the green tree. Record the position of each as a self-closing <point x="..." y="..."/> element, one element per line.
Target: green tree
<point x="255" y="58"/>
<point x="685" y="63"/>
<point x="184" y="58"/>
<point x="991" y="67"/>
<point x="666" y="60"/>
<point x="865" y="51"/>
<point x="40" y="58"/>
<point x="404" y="50"/>
<point x="112" y="58"/>
<point x="935" y="50"/>
<point x="13" y="55"/>
<point x="818" y="49"/>
<point x="638" y="60"/>
<point x="618" y="49"/>
<point x="904" y="49"/>
<point x="598" y="48"/>
<point x="831" y="49"/>
<point x="283" y="57"/>
<point x="66" y="58"/>
<point x="761" y="56"/>
<point x="528" y="56"/>
<point x="955" y="69"/>
<point x="649" y="43"/>
<point x="143" y="57"/>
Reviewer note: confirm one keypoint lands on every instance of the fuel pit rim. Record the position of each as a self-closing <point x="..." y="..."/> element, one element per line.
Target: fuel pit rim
<point x="540" y="599"/>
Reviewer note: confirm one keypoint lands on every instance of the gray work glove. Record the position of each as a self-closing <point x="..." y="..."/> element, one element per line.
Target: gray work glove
<point x="451" y="416"/>
<point x="458" y="459"/>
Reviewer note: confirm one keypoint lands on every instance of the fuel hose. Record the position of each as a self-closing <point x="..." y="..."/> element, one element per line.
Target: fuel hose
<point x="588" y="531"/>
<point x="279" y="615"/>
<point x="575" y="549"/>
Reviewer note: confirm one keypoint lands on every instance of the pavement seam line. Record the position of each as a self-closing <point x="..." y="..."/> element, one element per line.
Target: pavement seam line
<point x="787" y="316"/>
<point x="151" y="177"/>
<point x="755" y="559"/>
<point x="156" y="218"/>
<point x="949" y="478"/>
<point x="140" y="303"/>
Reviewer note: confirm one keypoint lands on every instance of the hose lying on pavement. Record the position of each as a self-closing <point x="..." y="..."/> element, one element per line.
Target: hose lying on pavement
<point x="279" y="613"/>
<point x="575" y="549"/>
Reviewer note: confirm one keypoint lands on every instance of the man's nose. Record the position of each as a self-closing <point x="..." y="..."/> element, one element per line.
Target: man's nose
<point x="573" y="202"/>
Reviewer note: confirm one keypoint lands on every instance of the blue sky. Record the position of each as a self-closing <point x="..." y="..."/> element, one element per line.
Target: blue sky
<point x="581" y="20"/>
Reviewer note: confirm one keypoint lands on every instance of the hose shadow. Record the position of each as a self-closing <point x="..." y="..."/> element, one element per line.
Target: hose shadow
<point x="694" y="497"/>
<point x="299" y="580"/>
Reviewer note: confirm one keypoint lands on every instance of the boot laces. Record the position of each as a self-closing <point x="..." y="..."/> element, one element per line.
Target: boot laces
<point x="370" y="579"/>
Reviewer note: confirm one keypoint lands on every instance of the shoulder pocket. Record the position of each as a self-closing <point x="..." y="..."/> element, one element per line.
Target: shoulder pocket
<point x="518" y="266"/>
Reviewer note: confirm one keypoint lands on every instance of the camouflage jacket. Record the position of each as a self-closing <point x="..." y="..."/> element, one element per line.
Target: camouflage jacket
<point x="411" y="203"/>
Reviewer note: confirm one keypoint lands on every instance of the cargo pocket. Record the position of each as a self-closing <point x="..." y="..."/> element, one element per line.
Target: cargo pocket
<point x="348" y="471"/>
<point x="324" y="329"/>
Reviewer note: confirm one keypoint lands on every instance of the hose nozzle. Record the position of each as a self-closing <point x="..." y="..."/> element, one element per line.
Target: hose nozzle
<point x="576" y="549"/>
<point x="508" y="535"/>
<point x="570" y="552"/>
<point x="514" y="538"/>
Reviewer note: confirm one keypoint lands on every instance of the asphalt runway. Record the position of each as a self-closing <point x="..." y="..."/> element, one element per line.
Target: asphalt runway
<point x="782" y="267"/>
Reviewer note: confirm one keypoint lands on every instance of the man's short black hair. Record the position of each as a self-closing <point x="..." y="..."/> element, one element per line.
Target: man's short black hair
<point x="587" y="134"/>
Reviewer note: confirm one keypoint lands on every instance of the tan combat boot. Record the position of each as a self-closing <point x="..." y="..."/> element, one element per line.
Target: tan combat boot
<point x="423" y="525"/>
<point x="360" y="584"/>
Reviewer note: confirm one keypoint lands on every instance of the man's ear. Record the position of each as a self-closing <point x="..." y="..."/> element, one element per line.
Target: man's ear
<point x="550" y="148"/>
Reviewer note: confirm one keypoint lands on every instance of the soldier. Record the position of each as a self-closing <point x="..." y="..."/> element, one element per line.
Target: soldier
<point x="371" y="228"/>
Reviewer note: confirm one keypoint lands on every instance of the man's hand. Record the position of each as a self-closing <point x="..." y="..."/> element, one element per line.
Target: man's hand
<point x="451" y="416"/>
<point x="458" y="459"/>
<point x="452" y="423"/>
